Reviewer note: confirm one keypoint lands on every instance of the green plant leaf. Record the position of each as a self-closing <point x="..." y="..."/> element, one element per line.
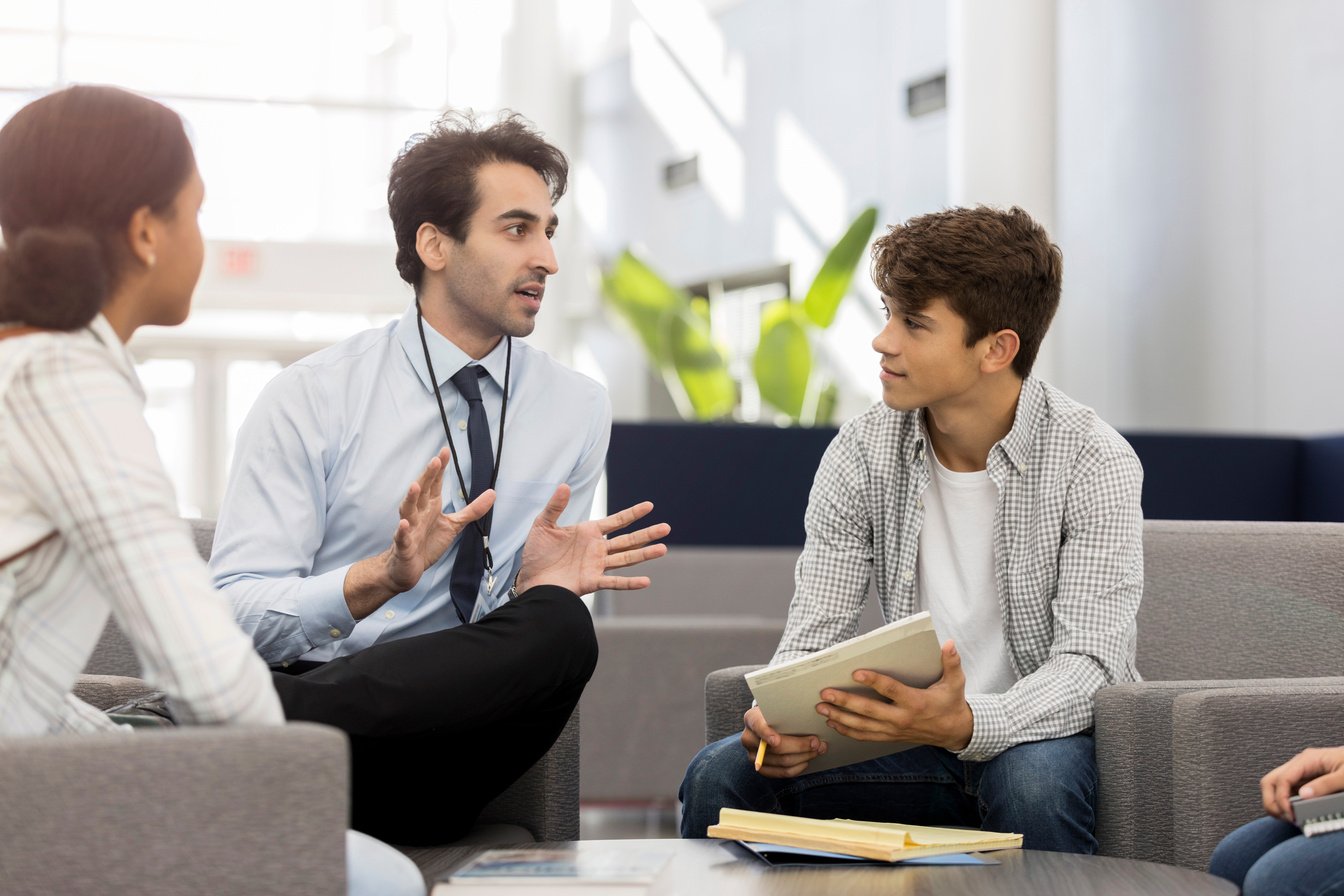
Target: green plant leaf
<point x="675" y="332"/>
<point x="701" y="370"/>
<point x="827" y="401"/>
<point x="837" y="271"/>
<point x="783" y="359"/>
<point x="700" y="305"/>
<point x="643" y="298"/>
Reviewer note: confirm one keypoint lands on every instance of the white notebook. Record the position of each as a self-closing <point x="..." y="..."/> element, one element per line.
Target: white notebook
<point x="788" y="693"/>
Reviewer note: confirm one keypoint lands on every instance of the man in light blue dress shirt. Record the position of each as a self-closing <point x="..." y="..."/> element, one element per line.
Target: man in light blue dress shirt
<point x="339" y="586"/>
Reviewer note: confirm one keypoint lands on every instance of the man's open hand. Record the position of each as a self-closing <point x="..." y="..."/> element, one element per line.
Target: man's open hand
<point x="423" y="533"/>
<point x="578" y="557"/>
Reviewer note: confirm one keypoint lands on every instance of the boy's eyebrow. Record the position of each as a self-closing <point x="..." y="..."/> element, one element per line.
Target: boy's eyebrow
<point x="906" y="312"/>
<point x="522" y="214"/>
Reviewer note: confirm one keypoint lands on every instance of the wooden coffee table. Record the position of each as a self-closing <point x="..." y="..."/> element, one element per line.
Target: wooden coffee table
<point x="710" y="867"/>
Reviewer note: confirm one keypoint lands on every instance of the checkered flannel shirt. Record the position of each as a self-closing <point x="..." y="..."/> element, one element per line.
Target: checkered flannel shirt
<point x="1068" y="555"/>
<point x="88" y="529"/>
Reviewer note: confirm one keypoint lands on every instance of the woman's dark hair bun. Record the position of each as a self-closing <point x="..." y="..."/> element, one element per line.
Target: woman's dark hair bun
<point x="52" y="277"/>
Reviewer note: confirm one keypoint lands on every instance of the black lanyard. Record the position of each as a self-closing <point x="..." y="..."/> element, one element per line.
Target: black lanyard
<point x="486" y="522"/>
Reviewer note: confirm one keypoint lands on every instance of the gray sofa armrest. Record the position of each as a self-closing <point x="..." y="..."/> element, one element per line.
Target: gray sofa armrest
<point x="1225" y="740"/>
<point x="545" y="800"/>
<point x="727" y="697"/>
<point x="223" y="811"/>
<point x="1135" y="818"/>
<point x="106" y="691"/>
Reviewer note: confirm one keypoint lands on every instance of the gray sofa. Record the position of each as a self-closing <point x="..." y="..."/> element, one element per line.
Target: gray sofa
<point x="1241" y="632"/>
<point x="216" y="810"/>
<point x="643" y="712"/>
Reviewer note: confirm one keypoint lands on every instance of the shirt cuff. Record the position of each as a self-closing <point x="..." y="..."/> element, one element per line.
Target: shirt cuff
<point x="990" y="728"/>
<point x="323" y="612"/>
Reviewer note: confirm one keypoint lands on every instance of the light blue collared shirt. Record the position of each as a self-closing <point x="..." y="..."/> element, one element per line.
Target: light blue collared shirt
<point x="327" y="453"/>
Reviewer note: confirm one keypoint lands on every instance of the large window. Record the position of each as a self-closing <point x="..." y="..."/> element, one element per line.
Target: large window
<point x="296" y="110"/>
<point x="296" y="107"/>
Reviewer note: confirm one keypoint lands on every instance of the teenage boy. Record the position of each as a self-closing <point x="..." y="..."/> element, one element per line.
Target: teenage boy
<point x="989" y="498"/>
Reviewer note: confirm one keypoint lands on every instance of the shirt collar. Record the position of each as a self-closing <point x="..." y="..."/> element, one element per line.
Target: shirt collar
<point x="448" y="358"/>
<point x="101" y="329"/>
<point x="1030" y="409"/>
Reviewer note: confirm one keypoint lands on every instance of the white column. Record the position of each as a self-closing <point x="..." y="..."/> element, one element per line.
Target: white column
<point x="1001" y="110"/>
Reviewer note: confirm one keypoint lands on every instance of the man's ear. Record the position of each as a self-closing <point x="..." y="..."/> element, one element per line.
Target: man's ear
<point x="142" y="236"/>
<point x="432" y="245"/>
<point x="1003" y="348"/>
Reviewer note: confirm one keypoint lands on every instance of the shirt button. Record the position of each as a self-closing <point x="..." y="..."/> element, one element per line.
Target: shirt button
<point x="908" y="576"/>
<point x="1022" y="468"/>
<point x="919" y="504"/>
<point x="461" y="494"/>
<point x="461" y="424"/>
<point x="390" y="614"/>
<point x="335" y="633"/>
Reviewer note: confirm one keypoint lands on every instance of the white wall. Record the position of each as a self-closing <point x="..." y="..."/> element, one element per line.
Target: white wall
<point x="1199" y="173"/>
<point x="1195" y="175"/>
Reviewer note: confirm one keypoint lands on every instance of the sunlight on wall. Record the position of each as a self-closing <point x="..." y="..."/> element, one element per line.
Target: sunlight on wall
<point x="476" y="58"/>
<point x="687" y="118"/>
<point x="792" y="241"/>
<point x="590" y="197"/>
<point x="816" y="192"/>
<point x="693" y="37"/>
<point x="810" y="182"/>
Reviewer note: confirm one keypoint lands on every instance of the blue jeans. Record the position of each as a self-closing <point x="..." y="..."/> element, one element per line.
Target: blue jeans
<point x="1043" y="790"/>
<point x="1269" y="856"/>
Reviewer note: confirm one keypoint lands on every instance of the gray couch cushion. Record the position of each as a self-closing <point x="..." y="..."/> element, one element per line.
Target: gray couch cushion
<point x="224" y="811"/>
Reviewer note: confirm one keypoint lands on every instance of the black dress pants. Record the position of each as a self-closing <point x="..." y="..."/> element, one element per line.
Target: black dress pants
<point x="441" y="724"/>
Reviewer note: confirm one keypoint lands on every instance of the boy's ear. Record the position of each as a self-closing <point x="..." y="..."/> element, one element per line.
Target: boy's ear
<point x="432" y="245"/>
<point x="1003" y="348"/>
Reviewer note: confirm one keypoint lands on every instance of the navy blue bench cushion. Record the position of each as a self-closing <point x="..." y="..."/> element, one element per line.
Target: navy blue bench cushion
<point x="717" y="483"/>
<point x="1321" y="493"/>
<point x="1219" y="477"/>
<point x="741" y="485"/>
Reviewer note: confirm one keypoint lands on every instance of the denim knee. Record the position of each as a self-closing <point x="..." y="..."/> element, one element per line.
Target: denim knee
<point x="1045" y="790"/>
<point x="720" y="775"/>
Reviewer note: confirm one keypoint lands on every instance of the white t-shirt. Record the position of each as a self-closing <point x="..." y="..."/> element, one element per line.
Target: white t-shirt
<point x="954" y="574"/>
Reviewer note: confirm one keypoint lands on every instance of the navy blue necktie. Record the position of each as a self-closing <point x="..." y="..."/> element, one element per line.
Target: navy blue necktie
<point x="469" y="566"/>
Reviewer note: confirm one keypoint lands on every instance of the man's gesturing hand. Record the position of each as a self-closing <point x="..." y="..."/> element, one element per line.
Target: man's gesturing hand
<point x="578" y="557"/>
<point x="423" y="533"/>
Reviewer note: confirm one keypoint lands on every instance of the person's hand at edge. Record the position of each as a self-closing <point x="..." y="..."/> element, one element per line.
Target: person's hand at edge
<point x="579" y="557"/>
<point x="786" y="755"/>
<point x="423" y="533"/>
<point x="1313" y="772"/>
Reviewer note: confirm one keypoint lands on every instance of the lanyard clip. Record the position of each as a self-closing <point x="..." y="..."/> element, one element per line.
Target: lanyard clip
<point x="489" y="566"/>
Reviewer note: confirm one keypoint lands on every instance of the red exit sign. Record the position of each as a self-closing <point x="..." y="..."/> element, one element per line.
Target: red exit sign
<point x="240" y="261"/>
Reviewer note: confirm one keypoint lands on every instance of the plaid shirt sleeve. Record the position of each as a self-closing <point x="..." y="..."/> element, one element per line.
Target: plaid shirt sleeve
<point x="832" y="574"/>
<point x="81" y="448"/>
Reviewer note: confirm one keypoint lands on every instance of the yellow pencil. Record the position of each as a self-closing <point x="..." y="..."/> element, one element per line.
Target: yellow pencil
<point x="760" y="754"/>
